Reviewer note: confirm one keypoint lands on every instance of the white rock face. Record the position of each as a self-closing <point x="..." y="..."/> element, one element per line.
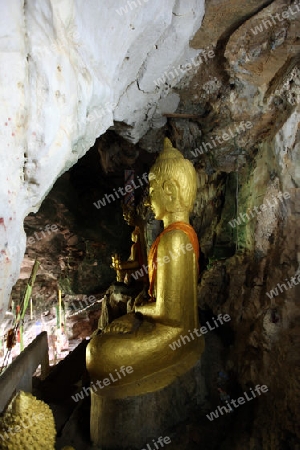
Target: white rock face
<point x="287" y="151"/>
<point x="68" y="69"/>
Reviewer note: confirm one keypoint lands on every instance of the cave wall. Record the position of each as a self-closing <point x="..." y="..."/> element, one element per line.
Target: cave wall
<point x="265" y="346"/>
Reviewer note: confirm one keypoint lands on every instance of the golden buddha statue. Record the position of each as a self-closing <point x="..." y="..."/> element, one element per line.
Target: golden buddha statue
<point x="124" y="269"/>
<point x="142" y="340"/>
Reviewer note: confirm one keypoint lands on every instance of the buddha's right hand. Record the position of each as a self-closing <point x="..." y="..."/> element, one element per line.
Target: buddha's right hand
<point x="123" y="325"/>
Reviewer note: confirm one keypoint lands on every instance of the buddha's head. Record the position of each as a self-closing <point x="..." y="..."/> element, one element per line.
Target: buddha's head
<point x="173" y="183"/>
<point x="129" y="215"/>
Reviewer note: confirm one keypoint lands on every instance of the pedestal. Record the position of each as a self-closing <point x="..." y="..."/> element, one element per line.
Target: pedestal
<point x="121" y="419"/>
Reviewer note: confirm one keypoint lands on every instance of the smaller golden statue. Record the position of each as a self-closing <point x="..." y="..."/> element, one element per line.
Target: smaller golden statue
<point x="124" y="269"/>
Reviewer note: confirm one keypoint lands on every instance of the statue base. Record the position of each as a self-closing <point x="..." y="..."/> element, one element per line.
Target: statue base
<point x="134" y="415"/>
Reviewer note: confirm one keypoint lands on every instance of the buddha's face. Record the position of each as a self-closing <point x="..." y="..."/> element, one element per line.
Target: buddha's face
<point x="156" y="195"/>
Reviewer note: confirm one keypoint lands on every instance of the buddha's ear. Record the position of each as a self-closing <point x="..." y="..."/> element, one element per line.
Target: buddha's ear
<point x="170" y="189"/>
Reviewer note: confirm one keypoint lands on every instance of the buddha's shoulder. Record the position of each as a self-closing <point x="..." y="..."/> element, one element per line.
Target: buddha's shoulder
<point x="175" y="236"/>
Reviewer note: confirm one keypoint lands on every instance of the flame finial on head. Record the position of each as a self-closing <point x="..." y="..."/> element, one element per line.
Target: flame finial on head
<point x="169" y="152"/>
